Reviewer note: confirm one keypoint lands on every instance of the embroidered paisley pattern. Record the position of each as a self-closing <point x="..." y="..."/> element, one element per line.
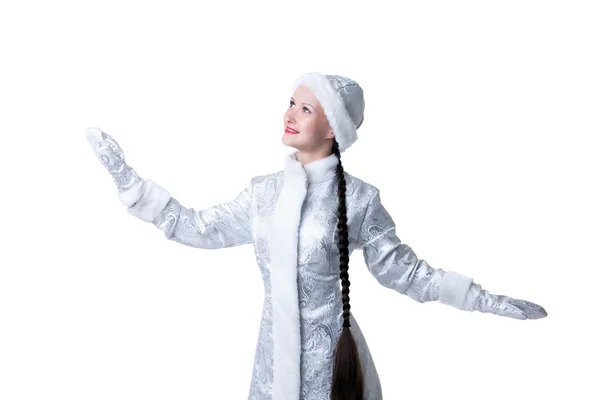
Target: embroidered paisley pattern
<point x="246" y="220"/>
<point x="319" y="292"/>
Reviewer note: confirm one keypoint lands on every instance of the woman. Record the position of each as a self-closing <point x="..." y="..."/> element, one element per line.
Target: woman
<point x="304" y="222"/>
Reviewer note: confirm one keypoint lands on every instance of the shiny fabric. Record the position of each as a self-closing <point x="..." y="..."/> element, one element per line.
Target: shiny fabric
<point x="352" y="95"/>
<point x="245" y="220"/>
<point x="112" y="157"/>
<point x="506" y="306"/>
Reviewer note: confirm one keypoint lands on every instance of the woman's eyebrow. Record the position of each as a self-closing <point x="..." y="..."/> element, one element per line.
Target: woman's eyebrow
<point x="303" y="103"/>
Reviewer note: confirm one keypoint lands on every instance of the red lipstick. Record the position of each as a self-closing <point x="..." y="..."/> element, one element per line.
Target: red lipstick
<point x="291" y="131"/>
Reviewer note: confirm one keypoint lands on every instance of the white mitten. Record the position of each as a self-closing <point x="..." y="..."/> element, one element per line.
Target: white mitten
<point x="459" y="291"/>
<point x="508" y="307"/>
<point x="144" y="198"/>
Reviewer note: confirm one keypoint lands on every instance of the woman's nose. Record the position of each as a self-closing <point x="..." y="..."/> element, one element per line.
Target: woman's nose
<point x="289" y="116"/>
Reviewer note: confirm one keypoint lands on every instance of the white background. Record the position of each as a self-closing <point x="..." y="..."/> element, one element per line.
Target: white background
<point x="481" y="131"/>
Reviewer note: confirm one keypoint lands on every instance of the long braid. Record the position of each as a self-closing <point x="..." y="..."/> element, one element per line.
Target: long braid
<point x="347" y="382"/>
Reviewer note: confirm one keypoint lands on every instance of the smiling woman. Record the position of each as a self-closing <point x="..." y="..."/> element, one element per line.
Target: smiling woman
<point x="304" y="222"/>
<point x="306" y="127"/>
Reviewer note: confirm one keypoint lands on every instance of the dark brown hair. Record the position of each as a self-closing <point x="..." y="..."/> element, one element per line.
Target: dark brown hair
<point x="347" y="382"/>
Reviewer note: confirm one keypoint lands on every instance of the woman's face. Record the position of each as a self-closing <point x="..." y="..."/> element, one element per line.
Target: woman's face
<point x="306" y="116"/>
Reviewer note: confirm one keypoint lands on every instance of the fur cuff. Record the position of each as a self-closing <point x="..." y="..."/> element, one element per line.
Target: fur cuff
<point x="152" y="199"/>
<point x="455" y="291"/>
<point x="131" y="195"/>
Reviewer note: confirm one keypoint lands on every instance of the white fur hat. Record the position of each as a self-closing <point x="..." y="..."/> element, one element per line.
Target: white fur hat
<point x="342" y="100"/>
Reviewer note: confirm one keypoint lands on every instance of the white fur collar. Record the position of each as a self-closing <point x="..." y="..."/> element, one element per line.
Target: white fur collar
<point x="283" y="242"/>
<point x="315" y="171"/>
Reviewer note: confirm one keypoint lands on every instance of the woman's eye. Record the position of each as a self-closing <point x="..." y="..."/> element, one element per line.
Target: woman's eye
<point x="305" y="108"/>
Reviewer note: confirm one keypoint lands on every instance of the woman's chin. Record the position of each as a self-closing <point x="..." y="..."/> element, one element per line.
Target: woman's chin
<point x="290" y="143"/>
<point x="288" y="138"/>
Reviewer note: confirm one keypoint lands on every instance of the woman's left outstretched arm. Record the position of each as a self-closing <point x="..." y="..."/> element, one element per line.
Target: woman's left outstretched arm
<point x="396" y="266"/>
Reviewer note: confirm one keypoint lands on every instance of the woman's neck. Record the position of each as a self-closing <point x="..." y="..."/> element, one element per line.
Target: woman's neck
<point x="305" y="157"/>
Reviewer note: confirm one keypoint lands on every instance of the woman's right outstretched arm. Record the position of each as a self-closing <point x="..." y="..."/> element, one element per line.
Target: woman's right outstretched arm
<point x="224" y="225"/>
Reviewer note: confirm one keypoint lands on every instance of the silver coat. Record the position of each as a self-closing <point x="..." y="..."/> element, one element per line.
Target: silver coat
<point x="291" y="219"/>
<point x="245" y="220"/>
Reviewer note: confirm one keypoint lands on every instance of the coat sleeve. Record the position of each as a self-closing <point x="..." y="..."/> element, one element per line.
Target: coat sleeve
<point x="396" y="266"/>
<point x="224" y="225"/>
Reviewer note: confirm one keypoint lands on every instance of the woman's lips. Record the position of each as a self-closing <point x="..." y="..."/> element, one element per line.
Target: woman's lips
<point x="291" y="131"/>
